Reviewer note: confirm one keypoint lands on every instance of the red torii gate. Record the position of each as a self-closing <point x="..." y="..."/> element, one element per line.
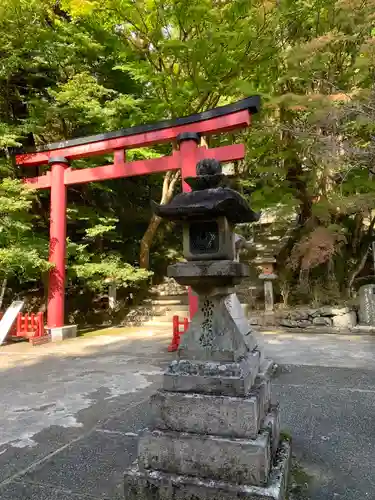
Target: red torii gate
<point x="185" y="131"/>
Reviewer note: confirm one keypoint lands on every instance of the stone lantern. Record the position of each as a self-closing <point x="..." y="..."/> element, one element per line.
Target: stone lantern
<point x="216" y="434"/>
<point x="112" y="292"/>
<point x="267" y="263"/>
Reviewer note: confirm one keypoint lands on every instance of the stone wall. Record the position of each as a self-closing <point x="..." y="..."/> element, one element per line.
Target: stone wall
<point x="336" y="317"/>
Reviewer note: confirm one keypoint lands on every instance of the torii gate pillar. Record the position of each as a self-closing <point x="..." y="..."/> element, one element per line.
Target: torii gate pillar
<point x="57" y="246"/>
<point x="188" y="148"/>
<point x="57" y="253"/>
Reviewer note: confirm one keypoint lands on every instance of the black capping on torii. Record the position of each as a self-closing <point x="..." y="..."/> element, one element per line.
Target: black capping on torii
<point x="251" y="103"/>
<point x="208" y="199"/>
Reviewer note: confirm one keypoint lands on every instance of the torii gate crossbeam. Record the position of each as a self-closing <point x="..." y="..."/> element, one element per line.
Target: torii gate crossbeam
<point x="186" y="131"/>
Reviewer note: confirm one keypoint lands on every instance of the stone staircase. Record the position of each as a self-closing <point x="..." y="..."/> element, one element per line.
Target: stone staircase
<point x="158" y="310"/>
<point x="163" y="308"/>
<point x="169" y="298"/>
<point x="165" y="300"/>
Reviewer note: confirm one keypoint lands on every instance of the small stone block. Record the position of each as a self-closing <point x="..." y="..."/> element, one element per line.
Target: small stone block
<point x="262" y="389"/>
<point x="262" y="359"/>
<point x="228" y="386"/>
<point x="322" y="321"/>
<point x="206" y="414"/>
<point x="272" y="423"/>
<point x="223" y="379"/>
<point x="183" y="272"/>
<point x="243" y="461"/>
<point x="63" y="332"/>
<point x="265" y="370"/>
<point x="155" y="485"/>
<point x="44" y="339"/>
<point x="344" y="321"/>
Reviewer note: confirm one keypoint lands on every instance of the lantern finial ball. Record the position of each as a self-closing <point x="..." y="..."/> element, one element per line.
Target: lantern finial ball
<point x="208" y="166"/>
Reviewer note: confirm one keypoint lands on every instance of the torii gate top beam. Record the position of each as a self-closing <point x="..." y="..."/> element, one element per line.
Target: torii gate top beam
<point x="222" y="119"/>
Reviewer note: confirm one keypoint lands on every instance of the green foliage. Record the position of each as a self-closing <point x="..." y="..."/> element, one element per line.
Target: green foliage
<point x="98" y="275"/>
<point x="106" y="225"/>
<point x="22" y="253"/>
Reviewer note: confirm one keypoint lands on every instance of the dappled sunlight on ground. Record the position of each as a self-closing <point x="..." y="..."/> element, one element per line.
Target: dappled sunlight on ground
<point x="331" y="350"/>
<point x="23" y="354"/>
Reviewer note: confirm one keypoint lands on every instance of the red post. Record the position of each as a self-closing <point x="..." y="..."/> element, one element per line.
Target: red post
<point x="40" y="324"/>
<point x="26" y="323"/>
<point x="32" y="322"/>
<point x="188" y="142"/>
<point x="19" y="324"/>
<point x="173" y="346"/>
<point x="56" y="292"/>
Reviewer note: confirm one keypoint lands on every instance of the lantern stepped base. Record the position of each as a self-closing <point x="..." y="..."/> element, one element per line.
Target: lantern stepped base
<point x="156" y="485"/>
<point x="227" y="379"/>
<point x="242" y="461"/>
<point x="212" y="446"/>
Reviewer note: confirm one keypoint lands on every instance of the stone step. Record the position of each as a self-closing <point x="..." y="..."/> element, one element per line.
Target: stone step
<point x="217" y="378"/>
<point x="181" y="313"/>
<point x="161" y="313"/>
<point x="156" y="485"/>
<point x="177" y="307"/>
<point x="207" y="414"/>
<point x="183" y="297"/>
<point x="167" y="302"/>
<point x="159" y="323"/>
<point x="364" y="329"/>
<point x="149" y="313"/>
<point x="241" y="461"/>
<point x="272" y="423"/>
<point x="218" y="415"/>
<point x="181" y="309"/>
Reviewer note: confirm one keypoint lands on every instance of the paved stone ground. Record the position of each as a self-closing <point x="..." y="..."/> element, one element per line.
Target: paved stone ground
<point x="71" y="412"/>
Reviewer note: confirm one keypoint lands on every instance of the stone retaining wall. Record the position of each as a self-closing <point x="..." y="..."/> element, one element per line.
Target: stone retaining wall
<point x="321" y="319"/>
<point x="336" y="317"/>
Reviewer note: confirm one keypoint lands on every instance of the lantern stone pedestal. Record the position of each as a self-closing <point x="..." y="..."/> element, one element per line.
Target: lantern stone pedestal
<point x="216" y="434"/>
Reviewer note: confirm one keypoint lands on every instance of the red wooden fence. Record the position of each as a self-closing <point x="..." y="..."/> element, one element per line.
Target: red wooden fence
<point x="176" y="334"/>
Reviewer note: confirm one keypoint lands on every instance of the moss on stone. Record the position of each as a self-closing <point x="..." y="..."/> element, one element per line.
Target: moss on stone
<point x="299" y="482"/>
<point x="285" y="436"/>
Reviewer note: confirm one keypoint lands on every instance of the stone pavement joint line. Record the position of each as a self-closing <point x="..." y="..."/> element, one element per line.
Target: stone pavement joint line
<point x="46" y="458"/>
<point x="59" y="489"/>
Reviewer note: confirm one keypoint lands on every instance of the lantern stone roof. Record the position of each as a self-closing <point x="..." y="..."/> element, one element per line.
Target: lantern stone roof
<point x="207" y="204"/>
<point x="208" y="199"/>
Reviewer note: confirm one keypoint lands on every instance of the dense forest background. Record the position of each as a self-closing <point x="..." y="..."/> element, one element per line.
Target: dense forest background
<point x="76" y="67"/>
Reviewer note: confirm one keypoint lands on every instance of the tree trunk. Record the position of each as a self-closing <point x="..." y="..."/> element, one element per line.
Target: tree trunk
<point x="146" y="242"/>
<point x="362" y="258"/>
<point x="2" y="292"/>
<point x="169" y="184"/>
<point x="356" y="271"/>
<point x="45" y="280"/>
